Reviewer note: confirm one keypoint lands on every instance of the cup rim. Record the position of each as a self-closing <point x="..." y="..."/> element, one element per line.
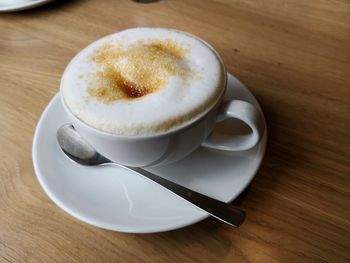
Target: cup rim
<point x="177" y="129"/>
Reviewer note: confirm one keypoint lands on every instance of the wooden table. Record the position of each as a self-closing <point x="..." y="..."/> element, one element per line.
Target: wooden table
<point x="293" y="55"/>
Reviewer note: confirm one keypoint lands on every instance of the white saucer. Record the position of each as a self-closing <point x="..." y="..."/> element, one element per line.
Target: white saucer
<point x="17" y="5"/>
<point x="113" y="198"/>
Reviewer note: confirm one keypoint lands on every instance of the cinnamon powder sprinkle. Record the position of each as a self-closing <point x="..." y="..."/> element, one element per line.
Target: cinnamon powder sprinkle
<point x="135" y="71"/>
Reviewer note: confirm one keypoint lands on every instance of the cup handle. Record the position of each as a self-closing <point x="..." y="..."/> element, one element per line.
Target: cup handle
<point x="246" y="112"/>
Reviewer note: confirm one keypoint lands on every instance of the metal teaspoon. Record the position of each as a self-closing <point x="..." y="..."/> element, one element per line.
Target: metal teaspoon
<point x="78" y="150"/>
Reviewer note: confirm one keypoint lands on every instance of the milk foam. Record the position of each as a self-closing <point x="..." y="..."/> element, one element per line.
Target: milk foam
<point x="190" y="84"/>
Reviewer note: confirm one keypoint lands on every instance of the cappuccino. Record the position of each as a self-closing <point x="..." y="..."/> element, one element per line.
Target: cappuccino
<point x="143" y="81"/>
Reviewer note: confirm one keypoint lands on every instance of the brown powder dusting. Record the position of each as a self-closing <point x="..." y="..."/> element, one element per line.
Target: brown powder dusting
<point x="102" y="53"/>
<point x="170" y="47"/>
<point x="130" y="89"/>
<point x="134" y="72"/>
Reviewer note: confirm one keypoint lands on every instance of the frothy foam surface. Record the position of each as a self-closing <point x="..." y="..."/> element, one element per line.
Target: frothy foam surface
<point x="142" y="81"/>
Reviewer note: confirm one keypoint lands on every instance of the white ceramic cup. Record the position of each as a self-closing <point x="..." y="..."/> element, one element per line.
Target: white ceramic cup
<point x="170" y="146"/>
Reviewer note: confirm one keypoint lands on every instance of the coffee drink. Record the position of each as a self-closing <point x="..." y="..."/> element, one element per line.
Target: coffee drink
<point x="151" y="96"/>
<point x="143" y="81"/>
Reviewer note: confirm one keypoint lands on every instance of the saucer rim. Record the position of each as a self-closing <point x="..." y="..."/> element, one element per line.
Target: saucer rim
<point x="23" y="6"/>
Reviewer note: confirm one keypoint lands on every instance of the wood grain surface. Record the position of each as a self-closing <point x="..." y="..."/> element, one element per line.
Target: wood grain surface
<point x="293" y="55"/>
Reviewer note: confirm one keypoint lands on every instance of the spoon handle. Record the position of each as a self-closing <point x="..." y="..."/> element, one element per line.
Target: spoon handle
<point x="229" y="214"/>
